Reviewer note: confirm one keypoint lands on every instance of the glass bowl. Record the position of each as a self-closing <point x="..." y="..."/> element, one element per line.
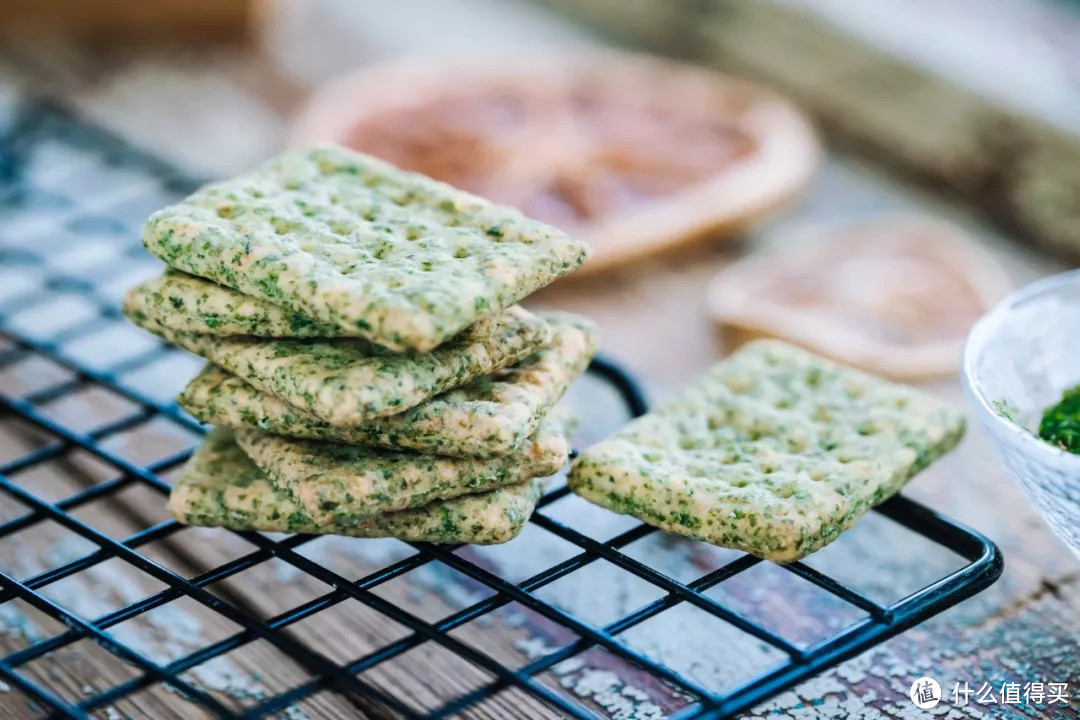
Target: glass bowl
<point x="1019" y="359"/>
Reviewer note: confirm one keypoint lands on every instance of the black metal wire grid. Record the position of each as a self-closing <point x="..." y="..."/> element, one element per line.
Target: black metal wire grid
<point x="34" y="133"/>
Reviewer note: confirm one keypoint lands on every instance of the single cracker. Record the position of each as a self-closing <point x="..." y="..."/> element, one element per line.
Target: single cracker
<point x="490" y="416"/>
<point x="221" y="487"/>
<point x="773" y="451"/>
<point x="186" y="303"/>
<point x="338" y="484"/>
<point x="345" y="382"/>
<point x="353" y="242"/>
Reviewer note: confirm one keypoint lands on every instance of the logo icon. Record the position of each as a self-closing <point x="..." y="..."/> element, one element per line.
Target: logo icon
<point x="925" y="693"/>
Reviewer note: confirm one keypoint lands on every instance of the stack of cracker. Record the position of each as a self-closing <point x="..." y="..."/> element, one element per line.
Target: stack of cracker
<point x="369" y="372"/>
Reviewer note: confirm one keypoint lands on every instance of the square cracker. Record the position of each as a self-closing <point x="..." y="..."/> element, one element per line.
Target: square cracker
<point x="221" y="487"/>
<point x="351" y="241"/>
<point x="773" y="451"/>
<point x="338" y="484"/>
<point x="186" y="303"/>
<point x="347" y="381"/>
<point x="490" y="416"/>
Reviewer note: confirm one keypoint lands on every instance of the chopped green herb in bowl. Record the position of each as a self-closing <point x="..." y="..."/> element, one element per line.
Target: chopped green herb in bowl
<point x="1006" y="410"/>
<point x="1060" y="425"/>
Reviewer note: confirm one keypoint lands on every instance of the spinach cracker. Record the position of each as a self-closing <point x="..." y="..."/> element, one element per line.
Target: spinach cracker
<point x="353" y="242"/>
<point x="773" y="451"/>
<point x="182" y="302"/>
<point x="490" y="416"/>
<point x="337" y="484"/>
<point x="347" y="381"/>
<point x="221" y="487"/>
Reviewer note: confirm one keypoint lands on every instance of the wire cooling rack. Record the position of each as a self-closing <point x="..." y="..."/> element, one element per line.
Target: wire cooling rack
<point x="111" y="188"/>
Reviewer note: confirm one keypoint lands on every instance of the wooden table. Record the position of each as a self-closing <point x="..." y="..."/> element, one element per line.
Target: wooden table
<point x="1025" y="628"/>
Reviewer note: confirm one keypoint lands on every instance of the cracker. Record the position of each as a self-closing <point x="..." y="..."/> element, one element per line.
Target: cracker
<point x="345" y="382"/>
<point x="490" y="416"/>
<point x="773" y="451"/>
<point x="337" y="484"/>
<point x="186" y="303"/>
<point x="221" y="487"/>
<point x="351" y="241"/>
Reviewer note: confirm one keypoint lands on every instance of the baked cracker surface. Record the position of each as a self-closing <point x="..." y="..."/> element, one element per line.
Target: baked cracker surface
<point x="338" y="484"/>
<point x="773" y="451"/>
<point x="186" y="303"/>
<point x="490" y="416"/>
<point x="353" y="242"/>
<point x="347" y="381"/>
<point x="221" y="487"/>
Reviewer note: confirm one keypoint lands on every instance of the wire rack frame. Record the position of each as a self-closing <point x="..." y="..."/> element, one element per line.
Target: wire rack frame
<point x="36" y="123"/>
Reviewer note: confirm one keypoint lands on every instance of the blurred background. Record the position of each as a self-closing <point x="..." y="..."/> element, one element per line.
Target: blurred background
<point x="865" y="179"/>
<point x="902" y="93"/>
